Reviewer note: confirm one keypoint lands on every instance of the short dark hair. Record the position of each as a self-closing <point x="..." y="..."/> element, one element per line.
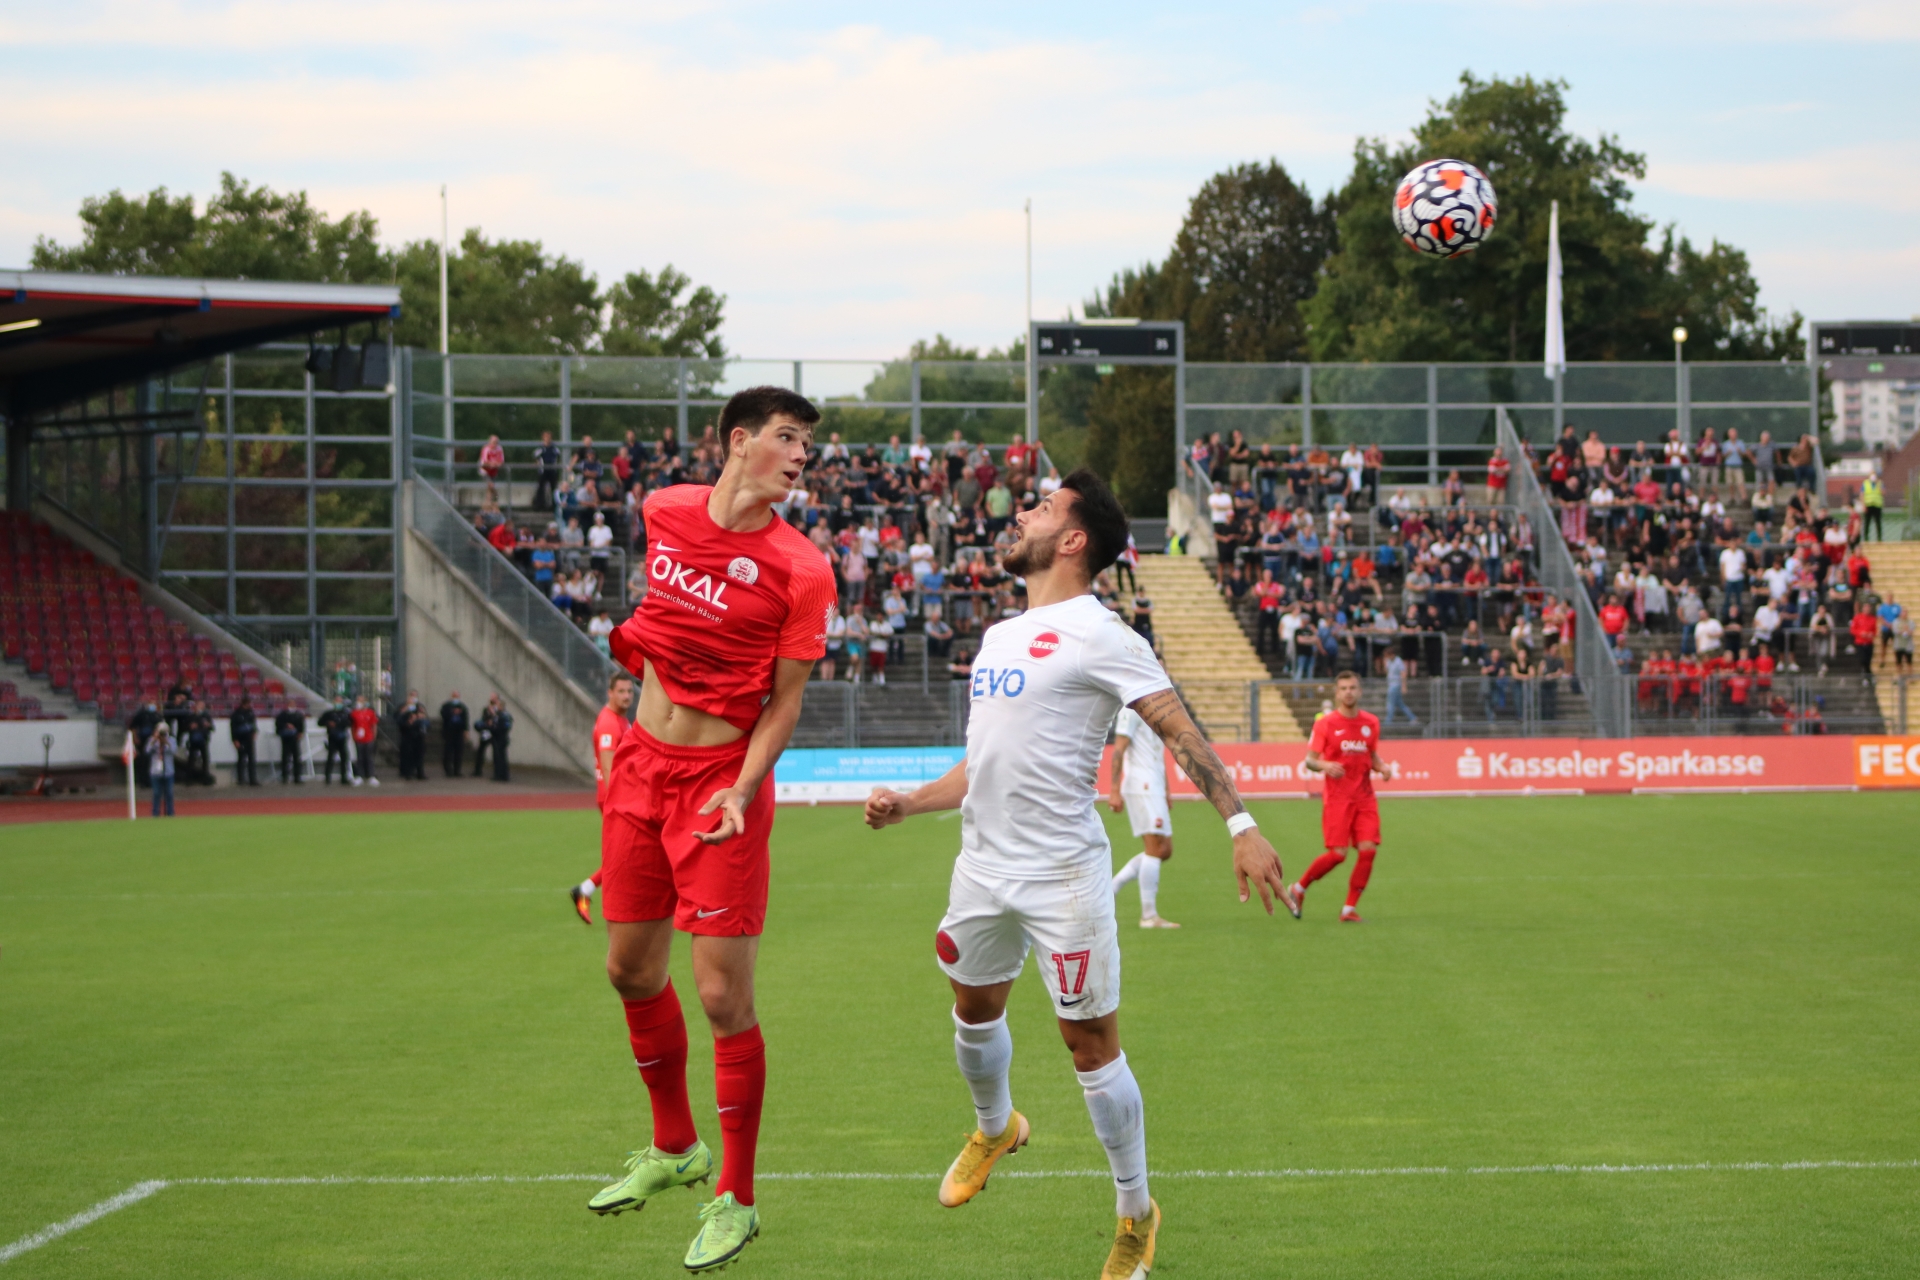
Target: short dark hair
<point x="618" y="676"/>
<point x="755" y="407"/>
<point x="1348" y="674"/>
<point x="1099" y="514"/>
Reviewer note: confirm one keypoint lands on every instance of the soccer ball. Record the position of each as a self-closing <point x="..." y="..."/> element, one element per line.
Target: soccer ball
<point x="1444" y="208"/>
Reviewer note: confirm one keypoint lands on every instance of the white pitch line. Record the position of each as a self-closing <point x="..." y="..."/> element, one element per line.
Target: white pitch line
<point x="141" y="1190"/>
<point x="47" y="1235"/>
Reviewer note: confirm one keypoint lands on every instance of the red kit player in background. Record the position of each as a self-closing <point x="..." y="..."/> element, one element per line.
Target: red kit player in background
<point x="735" y="617"/>
<point x="609" y="727"/>
<point x="1345" y="750"/>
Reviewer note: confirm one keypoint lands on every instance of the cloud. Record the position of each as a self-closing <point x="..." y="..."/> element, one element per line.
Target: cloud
<point x="881" y="172"/>
<point x="1858" y="176"/>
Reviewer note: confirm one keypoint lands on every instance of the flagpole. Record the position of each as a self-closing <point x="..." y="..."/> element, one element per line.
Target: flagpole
<point x="1556" y="352"/>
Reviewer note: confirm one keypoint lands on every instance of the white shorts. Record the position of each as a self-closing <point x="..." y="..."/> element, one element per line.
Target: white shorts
<point x="1147" y="811"/>
<point x="992" y="922"/>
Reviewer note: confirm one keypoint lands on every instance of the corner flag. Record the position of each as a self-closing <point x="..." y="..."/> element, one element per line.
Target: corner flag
<point x="1556" y="358"/>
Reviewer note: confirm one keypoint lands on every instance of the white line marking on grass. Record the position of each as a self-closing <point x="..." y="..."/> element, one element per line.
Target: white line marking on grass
<point x="141" y="1190"/>
<point x="47" y="1235"/>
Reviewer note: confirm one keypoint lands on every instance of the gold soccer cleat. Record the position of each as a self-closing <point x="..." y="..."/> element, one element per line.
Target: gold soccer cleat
<point x="968" y="1175"/>
<point x="1131" y="1257"/>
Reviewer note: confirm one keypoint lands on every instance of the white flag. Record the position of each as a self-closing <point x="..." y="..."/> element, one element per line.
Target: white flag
<point x="1556" y="331"/>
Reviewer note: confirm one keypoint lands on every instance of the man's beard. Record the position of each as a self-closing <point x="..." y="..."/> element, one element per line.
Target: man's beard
<point x="1031" y="555"/>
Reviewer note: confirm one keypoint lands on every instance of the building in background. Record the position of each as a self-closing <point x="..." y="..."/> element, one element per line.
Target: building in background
<point x="1873" y="375"/>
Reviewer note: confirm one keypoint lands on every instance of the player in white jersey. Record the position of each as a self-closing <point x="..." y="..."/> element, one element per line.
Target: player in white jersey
<point x="1034" y="864"/>
<point x="1140" y="787"/>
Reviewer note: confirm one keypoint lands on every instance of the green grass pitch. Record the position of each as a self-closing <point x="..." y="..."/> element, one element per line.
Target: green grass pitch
<point x="1618" y="981"/>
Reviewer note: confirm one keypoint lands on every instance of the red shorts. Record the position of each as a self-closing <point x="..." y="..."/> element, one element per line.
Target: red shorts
<point x="1349" y="822"/>
<point x="652" y="867"/>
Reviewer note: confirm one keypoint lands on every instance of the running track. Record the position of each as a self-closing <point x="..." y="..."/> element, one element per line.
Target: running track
<point x="31" y="810"/>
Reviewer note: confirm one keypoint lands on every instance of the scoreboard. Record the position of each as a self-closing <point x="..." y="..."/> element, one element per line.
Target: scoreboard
<point x="1866" y="338"/>
<point x="1112" y="342"/>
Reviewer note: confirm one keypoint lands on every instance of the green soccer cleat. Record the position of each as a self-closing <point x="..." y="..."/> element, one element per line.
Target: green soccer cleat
<point x="649" y="1173"/>
<point x="726" y="1227"/>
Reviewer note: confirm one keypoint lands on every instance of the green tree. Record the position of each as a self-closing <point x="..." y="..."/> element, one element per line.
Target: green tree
<point x="1247" y="256"/>
<point x="1623" y="294"/>
<point x="646" y="316"/>
<point x="506" y="296"/>
<point x="246" y="233"/>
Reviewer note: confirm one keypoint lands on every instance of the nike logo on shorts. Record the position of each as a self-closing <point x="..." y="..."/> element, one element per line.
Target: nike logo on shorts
<point x="1068" y="1004"/>
<point x="702" y="915"/>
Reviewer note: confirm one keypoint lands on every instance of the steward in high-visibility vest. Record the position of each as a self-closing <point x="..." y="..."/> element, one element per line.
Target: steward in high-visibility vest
<point x="1873" y="501"/>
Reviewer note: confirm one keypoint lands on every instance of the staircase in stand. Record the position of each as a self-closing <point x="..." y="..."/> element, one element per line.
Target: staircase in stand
<point x="1208" y="655"/>
<point x="1896" y="572"/>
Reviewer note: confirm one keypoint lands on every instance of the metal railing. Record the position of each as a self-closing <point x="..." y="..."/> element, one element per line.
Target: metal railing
<point x="505" y="587"/>
<point x="1593" y="662"/>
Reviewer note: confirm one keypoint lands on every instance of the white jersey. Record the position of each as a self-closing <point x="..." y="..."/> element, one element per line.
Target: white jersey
<point x="1046" y="685"/>
<point x="1144" y="768"/>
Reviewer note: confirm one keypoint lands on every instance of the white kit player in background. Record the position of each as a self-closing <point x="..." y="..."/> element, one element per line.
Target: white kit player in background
<point x="1140" y="788"/>
<point x="1034" y="865"/>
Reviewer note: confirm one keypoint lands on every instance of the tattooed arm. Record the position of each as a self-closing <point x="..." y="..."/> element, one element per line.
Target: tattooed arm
<point x="1253" y="858"/>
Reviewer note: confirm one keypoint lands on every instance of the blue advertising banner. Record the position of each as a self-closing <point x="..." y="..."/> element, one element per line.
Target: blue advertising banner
<point x="810" y="775"/>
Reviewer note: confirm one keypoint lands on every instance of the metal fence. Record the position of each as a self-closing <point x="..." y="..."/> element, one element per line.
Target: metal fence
<point x="454" y="403"/>
<point x="507" y="589"/>
<point x="920" y="705"/>
<point x="1431" y="418"/>
<point x="1606" y="689"/>
<point x="1557" y="707"/>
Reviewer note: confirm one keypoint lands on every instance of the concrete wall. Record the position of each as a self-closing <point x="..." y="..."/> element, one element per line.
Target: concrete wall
<point x="73" y="742"/>
<point x="457" y="640"/>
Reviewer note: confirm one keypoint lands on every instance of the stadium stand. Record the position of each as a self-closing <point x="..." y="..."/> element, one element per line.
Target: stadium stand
<point x="83" y="627"/>
<point x="1653" y="536"/>
<point x="1208" y="654"/>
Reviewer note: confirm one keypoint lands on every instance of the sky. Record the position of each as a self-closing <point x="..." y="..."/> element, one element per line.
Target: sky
<point x="851" y="175"/>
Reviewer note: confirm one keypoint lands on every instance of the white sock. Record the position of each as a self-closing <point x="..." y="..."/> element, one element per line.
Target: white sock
<point x="985" y="1054"/>
<point x="587" y="887"/>
<point x="1149" y="886"/>
<point x="1130" y="872"/>
<point x="1120" y="1122"/>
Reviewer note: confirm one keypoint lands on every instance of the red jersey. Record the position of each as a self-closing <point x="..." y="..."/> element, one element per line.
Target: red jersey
<point x="1348" y="741"/>
<point x="721" y="606"/>
<point x="608" y="728"/>
<point x="365" y="721"/>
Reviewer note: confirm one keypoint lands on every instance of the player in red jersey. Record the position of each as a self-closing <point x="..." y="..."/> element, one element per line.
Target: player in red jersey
<point x="735" y="617"/>
<point x="608" y="728"/>
<point x="1345" y="750"/>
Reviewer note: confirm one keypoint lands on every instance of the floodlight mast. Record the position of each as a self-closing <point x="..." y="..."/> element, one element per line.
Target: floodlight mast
<point x="1033" y="385"/>
<point x="443" y="268"/>
<point x="446" y="360"/>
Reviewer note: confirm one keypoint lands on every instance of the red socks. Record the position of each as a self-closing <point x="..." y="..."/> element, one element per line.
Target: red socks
<point x="1323" y="864"/>
<point x="1357" y="884"/>
<point x="739" y="1086"/>
<point x="595" y="877"/>
<point x="659" y="1035"/>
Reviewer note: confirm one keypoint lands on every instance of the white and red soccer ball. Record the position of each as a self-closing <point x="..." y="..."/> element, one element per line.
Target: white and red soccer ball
<point x="1444" y="208"/>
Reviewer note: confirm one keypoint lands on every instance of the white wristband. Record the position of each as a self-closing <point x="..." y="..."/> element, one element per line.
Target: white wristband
<point x="1241" y="823"/>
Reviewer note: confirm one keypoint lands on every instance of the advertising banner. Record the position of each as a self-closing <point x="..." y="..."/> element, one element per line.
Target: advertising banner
<point x="1886" y="762"/>
<point x="1446" y="767"/>
<point x="810" y="775"/>
<point x="1558" y="766"/>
